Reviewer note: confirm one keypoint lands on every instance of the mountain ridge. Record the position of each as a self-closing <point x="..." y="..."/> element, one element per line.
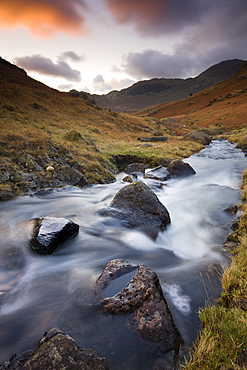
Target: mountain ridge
<point x="146" y="93"/>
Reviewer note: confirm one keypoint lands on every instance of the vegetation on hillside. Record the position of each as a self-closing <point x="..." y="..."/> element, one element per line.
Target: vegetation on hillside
<point x="43" y="127"/>
<point x="222" y="106"/>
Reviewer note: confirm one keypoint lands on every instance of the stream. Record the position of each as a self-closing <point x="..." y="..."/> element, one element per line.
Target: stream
<point x="41" y="292"/>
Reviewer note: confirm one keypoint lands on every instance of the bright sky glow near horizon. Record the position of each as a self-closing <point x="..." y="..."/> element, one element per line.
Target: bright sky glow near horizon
<point x="103" y="45"/>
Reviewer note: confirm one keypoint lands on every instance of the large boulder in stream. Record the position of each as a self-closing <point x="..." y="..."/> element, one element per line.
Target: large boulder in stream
<point x="137" y="206"/>
<point x="134" y="290"/>
<point x="50" y="232"/>
<point x="178" y="168"/>
<point x="56" y="351"/>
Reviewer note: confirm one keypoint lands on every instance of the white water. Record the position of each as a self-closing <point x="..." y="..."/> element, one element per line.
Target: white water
<point x="39" y="292"/>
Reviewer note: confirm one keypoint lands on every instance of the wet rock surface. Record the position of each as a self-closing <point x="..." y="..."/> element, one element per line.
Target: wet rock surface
<point x="137" y="206"/>
<point x="50" y="232"/>
<point x="135" y="167"/>
<point x="179" y="168"/>
<point x="129" y="178"/>
<point x="56" y="351"/>
<point x="141" y="298"/>
<point x="159" y="173"/>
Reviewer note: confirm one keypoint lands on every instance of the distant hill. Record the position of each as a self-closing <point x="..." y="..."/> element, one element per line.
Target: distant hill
<point x="222" y="105"/>
<point x="158" y="90"/>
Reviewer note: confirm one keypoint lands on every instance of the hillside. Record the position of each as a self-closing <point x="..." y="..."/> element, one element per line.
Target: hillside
<point x="223" y="105"/>
<point x="159" y="90"/>
<point x="42" y="127"/>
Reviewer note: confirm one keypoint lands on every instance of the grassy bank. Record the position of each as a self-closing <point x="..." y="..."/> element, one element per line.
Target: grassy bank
<point x="223" y="339"/>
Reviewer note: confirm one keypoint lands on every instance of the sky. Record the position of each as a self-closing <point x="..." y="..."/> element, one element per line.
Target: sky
<point x="103" y="45"/>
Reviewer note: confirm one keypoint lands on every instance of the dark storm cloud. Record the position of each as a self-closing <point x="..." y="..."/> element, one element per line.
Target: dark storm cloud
<point x="152" y="63"/>
<point x="158" y="16"/>
<point x="45" y="66"/>
<point x="221" y="34"/>
<point x="165" y="16"/>
<point x="44" y="18"/>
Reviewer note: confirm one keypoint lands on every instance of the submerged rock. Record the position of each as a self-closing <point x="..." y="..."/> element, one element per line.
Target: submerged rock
<point x="50" y="232"/>
<point x="137" y="206"/>
<point x="126" y="288"/>
<point x="56" y="351"/>
<point x="180" y="168"/>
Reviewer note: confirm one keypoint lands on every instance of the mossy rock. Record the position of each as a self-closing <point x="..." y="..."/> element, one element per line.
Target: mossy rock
<point x="243" y="144"/>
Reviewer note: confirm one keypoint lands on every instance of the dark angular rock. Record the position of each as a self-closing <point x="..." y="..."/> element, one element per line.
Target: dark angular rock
<point x="159" y="173"/>
<point x="50" y="232"/>
<point x="135" y="167"/>
<point x="130" y="178"/>
<point x="137" y="206"/>
<point x="200" y="137"/>
<point x="70" y="176"/>
<point x="243" y="144"/>
<point x="124" y="287"/>
<point x="232" y="209"/>
<point x="57" y="351"/>
<point x="154" y="138"/>
<point x="235" y="224"/>
<point x="179" y="168"/>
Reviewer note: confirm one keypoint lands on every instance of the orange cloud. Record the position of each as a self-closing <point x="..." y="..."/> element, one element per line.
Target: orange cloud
<point x="43" y="18"/>
<point x="141" y="10"/>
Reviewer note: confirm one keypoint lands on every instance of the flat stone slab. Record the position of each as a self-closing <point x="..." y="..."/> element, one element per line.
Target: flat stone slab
<point x="155" y="138"/>
<point x="159" y="173"/>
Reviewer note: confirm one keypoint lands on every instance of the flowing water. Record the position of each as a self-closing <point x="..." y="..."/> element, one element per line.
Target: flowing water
<point x="40" y="292"/>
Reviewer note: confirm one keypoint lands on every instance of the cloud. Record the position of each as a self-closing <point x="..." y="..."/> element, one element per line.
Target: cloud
<point x="45" y="66"/>
<point x="44" y="18"/>
<point x="221" y="34"/>
<point x="100" y="85"/>
<point x="65" y="86"/>
<point x="120" y="84"/>
<point x="72" y="56"/>
<point x="157" y="16"/>
<point x="153" y="63"/>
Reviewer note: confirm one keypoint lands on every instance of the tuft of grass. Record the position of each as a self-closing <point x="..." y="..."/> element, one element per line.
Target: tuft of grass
<point x="222" y="339"/>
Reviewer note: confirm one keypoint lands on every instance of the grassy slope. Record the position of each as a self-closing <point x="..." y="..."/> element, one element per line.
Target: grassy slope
<point x="222" y="105"/>
<point x="35" y="119"/>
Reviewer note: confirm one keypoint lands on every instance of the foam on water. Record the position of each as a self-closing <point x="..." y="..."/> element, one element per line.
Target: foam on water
<point x="180" y="300"/>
